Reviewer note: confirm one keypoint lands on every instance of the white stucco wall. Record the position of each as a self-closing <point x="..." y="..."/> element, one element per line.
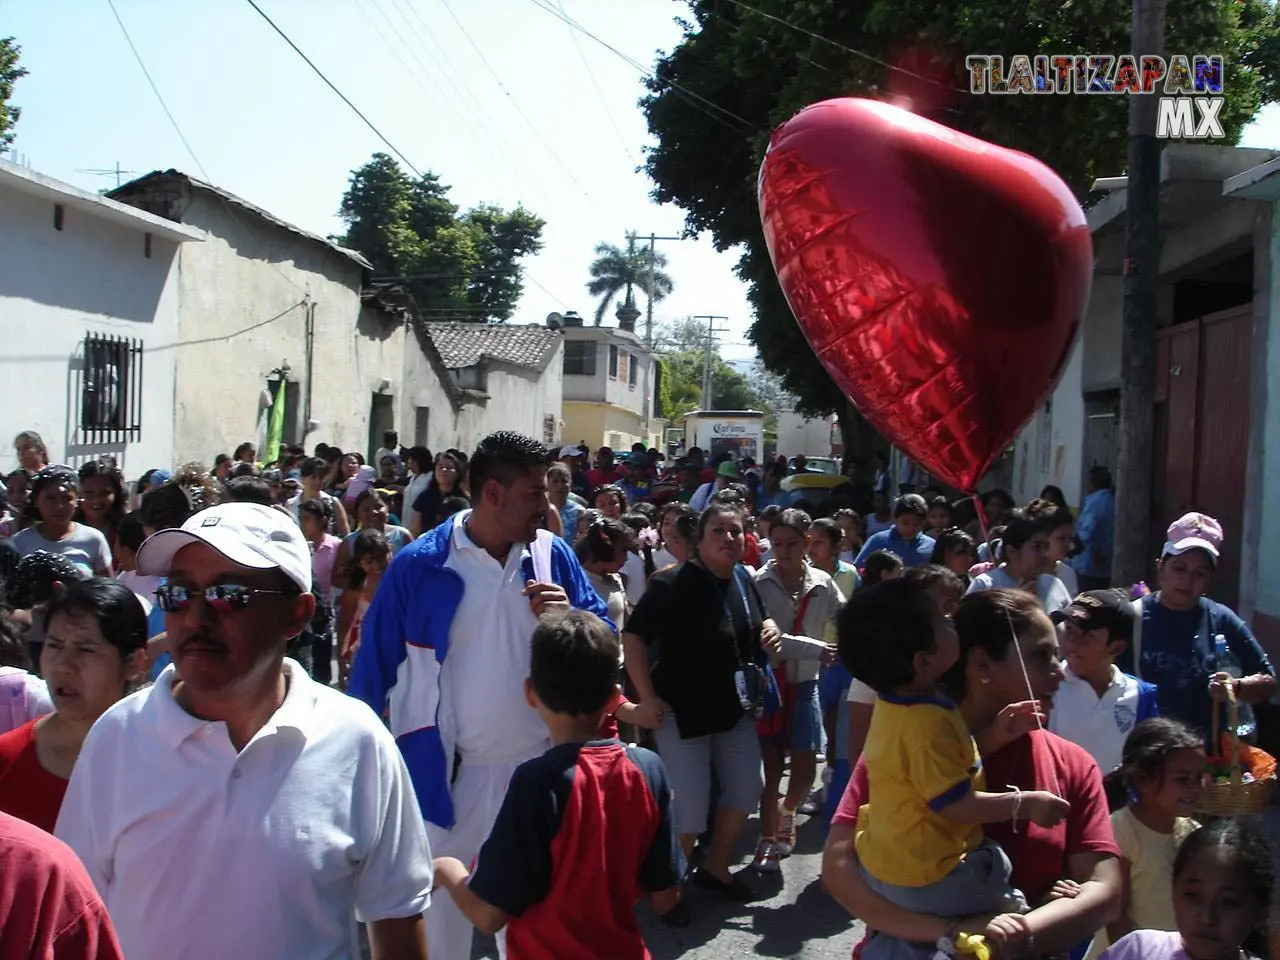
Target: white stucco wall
<point x="798" y="434"/>
<point x="243" y="313"/>
<point x="93" y="276"/>
<point x="600" y="387"/>
<point x="1061" y="428"/>
<point x="519" y="399"/>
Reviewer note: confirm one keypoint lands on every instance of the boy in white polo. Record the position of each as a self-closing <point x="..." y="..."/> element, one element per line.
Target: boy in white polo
<point x="237" y="808"/>
<point x="1098" y="704"/>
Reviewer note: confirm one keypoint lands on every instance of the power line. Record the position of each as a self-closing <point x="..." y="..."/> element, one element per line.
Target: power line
<point x="840" y="46"/>
<point x="156" y="90"/>
<point x="596" y="86"/>
<point x="329" y="83"/>
<point x="684" y="92"/>
<point x="492" y="72"/>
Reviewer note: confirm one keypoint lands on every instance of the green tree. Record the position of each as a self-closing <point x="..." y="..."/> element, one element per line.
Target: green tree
<point x="762" y="71"/>
<point x="681" y="347"/>
<point x="615" y="271"/>
<point x="10" y="73"/>
<point x="457" y="266"/>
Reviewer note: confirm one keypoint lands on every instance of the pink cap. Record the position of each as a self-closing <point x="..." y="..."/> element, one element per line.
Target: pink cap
<point x="1194" y="531"/>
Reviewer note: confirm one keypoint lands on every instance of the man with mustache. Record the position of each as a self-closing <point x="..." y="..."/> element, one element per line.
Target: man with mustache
<point x="237" y="808"/>
<point x="446" y="644"/>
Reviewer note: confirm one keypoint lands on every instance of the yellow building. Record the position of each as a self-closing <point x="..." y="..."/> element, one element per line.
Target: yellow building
<point x="609" y="380"/>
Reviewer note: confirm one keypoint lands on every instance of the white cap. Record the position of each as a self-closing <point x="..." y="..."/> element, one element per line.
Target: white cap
<point x="571" y="451"/>
<point x="247" y="534"/>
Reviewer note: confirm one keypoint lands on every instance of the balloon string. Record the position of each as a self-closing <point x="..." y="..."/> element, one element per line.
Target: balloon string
<point x="982" y="517"/>
<point x="1026" y="679"/>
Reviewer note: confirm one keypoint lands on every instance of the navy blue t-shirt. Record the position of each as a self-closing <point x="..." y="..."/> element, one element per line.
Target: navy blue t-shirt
<point x="1177" y="653"/>
<point x="584" y="831"/>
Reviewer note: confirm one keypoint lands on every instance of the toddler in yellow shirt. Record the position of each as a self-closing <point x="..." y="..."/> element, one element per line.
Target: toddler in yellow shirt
<point x="919" y="838"/>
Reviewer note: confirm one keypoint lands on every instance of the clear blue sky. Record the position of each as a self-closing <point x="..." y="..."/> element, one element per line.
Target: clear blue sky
<point x="266" y="128"/>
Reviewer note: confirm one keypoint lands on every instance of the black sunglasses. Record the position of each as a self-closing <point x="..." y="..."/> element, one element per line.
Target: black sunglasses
<point x="222" y="597"/>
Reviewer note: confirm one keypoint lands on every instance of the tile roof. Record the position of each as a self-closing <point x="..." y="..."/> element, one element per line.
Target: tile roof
<point x="467" y="344"/>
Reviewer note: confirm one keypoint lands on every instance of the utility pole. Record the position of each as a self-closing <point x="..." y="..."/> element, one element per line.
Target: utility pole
<point x="708" y="365"/>
<point x="653" y="270"/>
<point x="1135" y="459"/>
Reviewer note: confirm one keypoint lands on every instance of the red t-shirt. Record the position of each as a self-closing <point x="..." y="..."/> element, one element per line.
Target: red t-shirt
<point x="47" y="901"/>
<point x="27" y="790"/>
<point x="1038" y="761"/>
<point x="597" y="478"/>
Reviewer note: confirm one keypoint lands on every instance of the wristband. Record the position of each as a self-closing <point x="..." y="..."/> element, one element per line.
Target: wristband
<point x="1017" y="806"/>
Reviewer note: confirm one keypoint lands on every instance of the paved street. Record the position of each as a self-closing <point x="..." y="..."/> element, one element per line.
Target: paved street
<point x="793" y="918"/>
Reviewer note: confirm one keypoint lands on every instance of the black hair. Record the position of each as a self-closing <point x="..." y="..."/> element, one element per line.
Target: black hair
<point x="830" y="529"/>
<point x="13" y="642"/>
<point x="1053" y="494"/>
<point x="242" y="489"/>
<point x="367" y="543"/>
<point x="612" y="490"/>
<point x="313" y="467"/>
<point x="1249" y="851"/>
<point x="995" y="494"/>
<point x="243" y="469"/>
<point x="573" y="663"/>
<point x="1021" y="527"/>
<point x="636" y="520"/>
<point x="1051" y="515"/>
<point x="130" y="533"/>
<point x="221" y="458"/>
<point x="119" y="613"/>
<point x="948" y="542"/>
<point x="421" y="456"/>
<point x="1146" y="748"/>
<point x="646" y="510"/>
<point x="878" y="564"/>
<point x="314" y="508"/>
<point x="55" y="475"/>
<point x="33" y="579"/>
<point x="769" y="514"/>
<point x="449" y="506"/>
<point x="940" y="503"/>
<point x="910" y="503"/>
<point x="1099" y="477"/>
<point x="244" y="447"/>
<point x="390" y="437"/>
<point x="504" y="457"/>
<point x="367" y="494"/>
<point x="716" y="508"/>
<point x="793" y="519"/>
<point x="932" y="574"/>
<point x="604" y="537"/>
<point x="187" y="493"/>
<point x="104" y="467"/>
<point x="734" y="494"/>
<point x="991" y="620"/>
<point x="880" y="631"/>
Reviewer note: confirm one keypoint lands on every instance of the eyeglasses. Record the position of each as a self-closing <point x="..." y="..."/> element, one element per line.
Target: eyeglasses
<point x="222" y="597"/>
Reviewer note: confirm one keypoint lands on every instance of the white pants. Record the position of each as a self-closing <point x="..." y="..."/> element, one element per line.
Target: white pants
<point x="477" y="797"/>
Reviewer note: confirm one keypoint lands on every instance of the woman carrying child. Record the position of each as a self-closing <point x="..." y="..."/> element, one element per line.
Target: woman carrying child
<point x="1161" y="769"/>
<point x="1069" y="873"/>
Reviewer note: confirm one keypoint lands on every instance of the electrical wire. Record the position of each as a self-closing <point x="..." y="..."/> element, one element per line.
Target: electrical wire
<point x="503" y="87"/>
<point x="694" y="99"/>
<point x="156" y="90"/>
<point x="596" y="86"/>
<point x="329" y="83"/>
<point x="840" y="46"/>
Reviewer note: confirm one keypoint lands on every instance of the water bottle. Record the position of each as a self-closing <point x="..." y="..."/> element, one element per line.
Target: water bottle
<point x="1224" y="661"/>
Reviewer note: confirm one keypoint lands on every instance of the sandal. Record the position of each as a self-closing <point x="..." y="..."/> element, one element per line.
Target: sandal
<point x="786" y="831"/>
<point x="735" y="889"/>
<point x="766" y="859"/>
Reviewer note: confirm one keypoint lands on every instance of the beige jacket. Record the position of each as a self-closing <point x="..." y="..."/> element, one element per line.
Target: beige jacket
<point x="802" y="648"/>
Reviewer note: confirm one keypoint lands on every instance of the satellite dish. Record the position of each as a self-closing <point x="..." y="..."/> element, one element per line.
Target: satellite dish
<point x="554" y="321"/>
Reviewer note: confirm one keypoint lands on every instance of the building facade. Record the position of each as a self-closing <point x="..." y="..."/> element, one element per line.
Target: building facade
<point x="609" y="387"/>
<point x="89" y="299"/>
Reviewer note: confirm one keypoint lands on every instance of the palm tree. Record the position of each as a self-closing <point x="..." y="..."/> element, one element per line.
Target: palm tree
<point x="617" y="271"/>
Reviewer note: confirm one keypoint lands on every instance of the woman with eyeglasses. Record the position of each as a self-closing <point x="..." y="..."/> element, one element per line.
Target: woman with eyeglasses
<point x="50" y="514"/>
<point x="95" y="640"/>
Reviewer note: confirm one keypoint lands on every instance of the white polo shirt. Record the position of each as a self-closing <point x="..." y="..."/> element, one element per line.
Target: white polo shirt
<point x="201" y="853"/>
<point x="482" y="679"/>
<point x="1099" y="724"/>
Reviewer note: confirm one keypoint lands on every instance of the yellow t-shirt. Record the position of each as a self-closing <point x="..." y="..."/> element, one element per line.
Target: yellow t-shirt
<point x="1150" y="855"/>
<point x="920" y="757"/>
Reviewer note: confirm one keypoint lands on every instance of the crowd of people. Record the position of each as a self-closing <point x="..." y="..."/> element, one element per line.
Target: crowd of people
<point x="520" y="690"/>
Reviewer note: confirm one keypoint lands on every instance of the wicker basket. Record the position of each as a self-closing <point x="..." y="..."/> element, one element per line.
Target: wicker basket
<point x="1236" y="796"/>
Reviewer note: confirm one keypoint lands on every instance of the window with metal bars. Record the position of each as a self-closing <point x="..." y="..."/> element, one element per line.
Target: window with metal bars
<point x="111" y="389"/>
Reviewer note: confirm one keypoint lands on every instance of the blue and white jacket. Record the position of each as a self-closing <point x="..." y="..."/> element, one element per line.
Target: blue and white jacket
<point x="404" y="639"/>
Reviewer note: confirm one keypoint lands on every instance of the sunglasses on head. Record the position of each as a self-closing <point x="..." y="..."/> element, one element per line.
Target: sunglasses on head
<point x="223" y="597"/>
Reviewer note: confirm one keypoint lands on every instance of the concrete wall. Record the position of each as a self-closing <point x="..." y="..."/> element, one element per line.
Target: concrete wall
<point x="596" y="423"/>
<point x="797" y="434"/>
<point x="243" y="312"/>
<point x="519" y="399"/>
<point x="56" y="286"/>
<point x="600" y="386"/>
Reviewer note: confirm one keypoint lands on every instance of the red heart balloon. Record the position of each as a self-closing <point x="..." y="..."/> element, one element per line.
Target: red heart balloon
<point x="940" y="279"/>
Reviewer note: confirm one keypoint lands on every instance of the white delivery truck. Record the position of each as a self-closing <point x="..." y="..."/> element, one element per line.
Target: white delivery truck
<point x="740" y="432"/>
